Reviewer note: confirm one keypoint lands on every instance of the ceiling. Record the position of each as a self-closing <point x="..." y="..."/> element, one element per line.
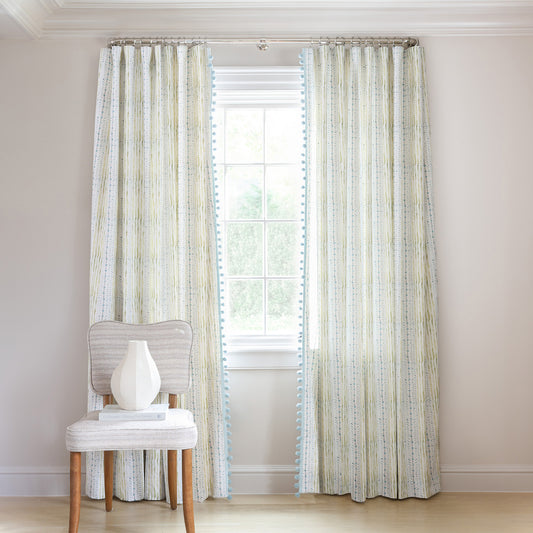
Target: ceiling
<point x="56" y="19"/>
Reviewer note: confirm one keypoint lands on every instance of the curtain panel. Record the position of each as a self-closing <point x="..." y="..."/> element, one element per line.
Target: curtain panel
<point x="369" y="400"/>
<point x="153" y="245"/>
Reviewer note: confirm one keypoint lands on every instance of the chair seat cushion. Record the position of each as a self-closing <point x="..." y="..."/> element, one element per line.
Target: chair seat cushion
<point x="177" y="432"/>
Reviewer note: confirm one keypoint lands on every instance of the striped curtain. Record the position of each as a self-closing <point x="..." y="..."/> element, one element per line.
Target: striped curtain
<point x="153" y="249"/>
<point x="369" y="396"/>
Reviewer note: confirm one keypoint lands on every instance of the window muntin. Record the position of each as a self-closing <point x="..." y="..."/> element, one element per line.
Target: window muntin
<point x="258" y="164"/>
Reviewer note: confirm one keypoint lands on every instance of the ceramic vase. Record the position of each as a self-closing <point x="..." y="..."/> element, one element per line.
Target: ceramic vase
<point x="136" y="381"/>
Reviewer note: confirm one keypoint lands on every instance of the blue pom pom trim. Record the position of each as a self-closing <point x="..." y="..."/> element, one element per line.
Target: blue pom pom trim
<point x="220" y="281"/>
<point x="302" y="337"/>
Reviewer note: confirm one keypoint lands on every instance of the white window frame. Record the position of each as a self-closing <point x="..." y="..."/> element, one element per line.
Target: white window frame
<point x="259" y="87"/>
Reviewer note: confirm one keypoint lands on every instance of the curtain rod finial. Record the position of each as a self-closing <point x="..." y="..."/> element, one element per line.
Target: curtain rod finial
<point x="262" y="45"/>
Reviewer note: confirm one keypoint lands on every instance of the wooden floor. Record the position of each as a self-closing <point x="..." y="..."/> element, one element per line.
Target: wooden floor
<point x="446" y="512"/>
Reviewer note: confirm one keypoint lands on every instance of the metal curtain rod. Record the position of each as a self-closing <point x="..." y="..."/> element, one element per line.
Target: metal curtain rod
<point x="263" y="44"/>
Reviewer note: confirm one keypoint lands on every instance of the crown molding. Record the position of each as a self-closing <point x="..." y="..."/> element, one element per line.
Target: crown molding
<point x="31" y="14"/>
<point x="300" y="4"/>
<point x="52" y="19"/>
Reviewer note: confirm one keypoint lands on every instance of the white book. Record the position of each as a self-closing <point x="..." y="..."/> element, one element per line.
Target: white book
<point x="156" y="411"/>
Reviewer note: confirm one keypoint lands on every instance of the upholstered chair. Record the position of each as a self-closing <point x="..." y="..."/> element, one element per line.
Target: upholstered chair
<point x="170" y="345"/>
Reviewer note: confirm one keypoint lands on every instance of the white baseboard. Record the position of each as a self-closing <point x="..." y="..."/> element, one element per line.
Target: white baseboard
<point x="487" y="478"/>
<point x="277" y="479"/>
<point x="36" y="481"/>
<point x="263" y="479"/>
<point x="272" y="479"/>
<point x="43" y="481"/>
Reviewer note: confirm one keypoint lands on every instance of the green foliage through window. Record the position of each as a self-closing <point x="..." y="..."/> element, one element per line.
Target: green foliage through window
<point x="258" y="150"/>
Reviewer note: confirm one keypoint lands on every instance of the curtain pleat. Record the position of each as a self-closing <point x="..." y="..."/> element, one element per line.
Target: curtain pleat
<point x="153" y="247"/>
<point x="369" y="412"/>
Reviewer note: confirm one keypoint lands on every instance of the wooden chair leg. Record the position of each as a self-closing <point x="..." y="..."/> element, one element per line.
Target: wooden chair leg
<point x="108" y="479"/>
<point x="108" y="466"/>
<point x="75" y="491"/>
<point x="173" y="463"/>
<point x="173" y="478"/>
<point x="188" y="511"/>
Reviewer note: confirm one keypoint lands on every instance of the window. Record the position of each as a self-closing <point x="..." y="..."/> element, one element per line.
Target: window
<point x="258" y="147"/>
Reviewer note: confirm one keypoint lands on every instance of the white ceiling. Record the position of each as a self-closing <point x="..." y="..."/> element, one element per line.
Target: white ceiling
<point x="52" y="19"/>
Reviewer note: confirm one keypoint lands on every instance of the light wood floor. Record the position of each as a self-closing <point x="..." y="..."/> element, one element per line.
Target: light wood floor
<point x="446" y="512"/>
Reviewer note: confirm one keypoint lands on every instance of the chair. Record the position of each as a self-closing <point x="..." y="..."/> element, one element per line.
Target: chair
<point x="170" y="345"/>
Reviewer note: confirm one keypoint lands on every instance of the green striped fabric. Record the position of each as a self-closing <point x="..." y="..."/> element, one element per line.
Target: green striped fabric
<point x="153" y="249"/>
<point x="369" y="402"/>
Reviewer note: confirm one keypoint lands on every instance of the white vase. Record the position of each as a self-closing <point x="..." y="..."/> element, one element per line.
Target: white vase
<point x="136" y="381"/>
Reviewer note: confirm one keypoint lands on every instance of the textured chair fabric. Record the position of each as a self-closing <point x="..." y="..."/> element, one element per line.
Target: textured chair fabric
<point x="177" y="432"/>
<point x="169" y="344"/>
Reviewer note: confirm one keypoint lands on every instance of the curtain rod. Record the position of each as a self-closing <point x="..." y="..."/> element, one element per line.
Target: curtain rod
<point x="263" y="44"/>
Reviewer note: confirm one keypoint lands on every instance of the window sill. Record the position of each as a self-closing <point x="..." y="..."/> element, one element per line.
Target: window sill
<point x="261" y="358"/>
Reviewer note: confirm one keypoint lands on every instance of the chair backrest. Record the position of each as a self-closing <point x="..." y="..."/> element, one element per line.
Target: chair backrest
<point x="169" y="343"/>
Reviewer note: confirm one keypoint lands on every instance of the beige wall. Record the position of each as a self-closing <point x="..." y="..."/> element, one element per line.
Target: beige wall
<point x="47" y="95"/>
<point x="482" y="116"/>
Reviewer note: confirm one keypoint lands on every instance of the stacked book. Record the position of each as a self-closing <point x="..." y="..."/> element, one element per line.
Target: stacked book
<point x="112" y="412"/>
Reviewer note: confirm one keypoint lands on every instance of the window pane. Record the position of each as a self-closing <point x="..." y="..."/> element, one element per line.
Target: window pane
<point x="244" y="192"/>
<point x="282" y="249"/>
<point x="245" y="306"/>
<point x="283" y="135"/>
<point x="244" y="135"/>
<point x="282" y="307"/>
<point x="218" y="136"/>
<point x="244" y="247"/>
<point x="283" y="194"/>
